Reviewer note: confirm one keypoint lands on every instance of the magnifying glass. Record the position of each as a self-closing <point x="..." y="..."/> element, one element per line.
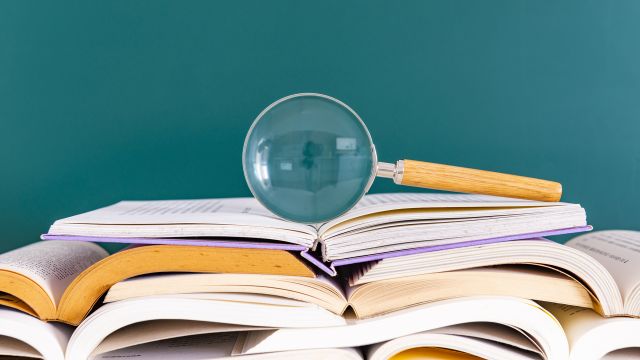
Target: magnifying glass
<point x="309" y="158"/>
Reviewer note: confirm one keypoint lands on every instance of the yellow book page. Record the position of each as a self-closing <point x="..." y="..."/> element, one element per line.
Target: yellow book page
<point x="11" y="301"/>
<point x="427" y="353"/>
<point x="92" y="283"/>
<point x="36" y="275"/>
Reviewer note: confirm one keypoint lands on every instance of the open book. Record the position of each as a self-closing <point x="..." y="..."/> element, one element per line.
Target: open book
<point x="592" y="337"/>
<point x="135" y="327"/>
<point x="605" y="263"/>
<point x="521" y="315"/>
<point x="497" y="328"/>
<point x="469" y="341"/>
<point x="536" y="269"/>
<point x="465" y="341"/>
<point x="23" y="336"/>
<point x="371" y="299"/>
<point x="382" y="225"/>
<point x="501" y="328"/>
<point x="62" y="280"/>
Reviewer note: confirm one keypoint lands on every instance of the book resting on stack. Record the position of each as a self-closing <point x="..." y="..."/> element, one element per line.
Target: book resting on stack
<point x="400" y="276"/>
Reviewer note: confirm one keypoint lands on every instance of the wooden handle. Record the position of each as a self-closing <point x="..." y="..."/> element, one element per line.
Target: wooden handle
<point x="459" y="179"/>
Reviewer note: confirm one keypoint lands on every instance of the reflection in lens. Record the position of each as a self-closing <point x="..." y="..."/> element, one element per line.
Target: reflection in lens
<point x="308" y="159"/>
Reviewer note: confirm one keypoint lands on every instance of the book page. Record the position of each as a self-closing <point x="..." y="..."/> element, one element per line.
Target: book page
<point x="433" y="353"/>
<point x="396" y="201"/>
<point x="230" y="211"/>
<point x="524" y="281"/>
<point x="204" y="346"/>
<point x="259" y="311"/>
<point x="217" y="346"/>
<point x="156" y="330"/>
<point x="46" y="340"/>
<point x="52" y="264"/>
<point x="592" y="336"/>
<point x="13" y="347"/>
<point x="447" y="338"/>
<point x="13" y="302"/>
<point x="493" y="332"/>
<point x="618" y="251"/>
<point x="577" y="322"/>
<point x="574" y="320"/>
<point x="623" y="354"/>
<point x="323" y="291"/>
<point x="509" y="311"/>
<point x="442" y="199"/>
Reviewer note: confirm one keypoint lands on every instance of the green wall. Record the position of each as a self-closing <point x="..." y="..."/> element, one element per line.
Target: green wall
<point x="110" y="100"/>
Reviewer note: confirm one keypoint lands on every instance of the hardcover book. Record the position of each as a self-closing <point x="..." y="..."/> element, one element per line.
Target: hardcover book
<point x="380" y="226"/>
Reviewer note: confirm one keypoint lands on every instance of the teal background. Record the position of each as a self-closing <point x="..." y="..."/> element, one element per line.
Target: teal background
<point x="108" y="100"/>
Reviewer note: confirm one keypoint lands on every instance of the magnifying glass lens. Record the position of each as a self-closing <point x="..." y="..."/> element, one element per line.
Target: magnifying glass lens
<point x="308" y="158"/>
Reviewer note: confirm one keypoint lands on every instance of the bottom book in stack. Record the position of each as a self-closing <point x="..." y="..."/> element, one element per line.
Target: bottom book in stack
<point x="261" y="327"/>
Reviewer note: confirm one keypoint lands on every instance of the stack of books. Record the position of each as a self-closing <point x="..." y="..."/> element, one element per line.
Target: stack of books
<point x="401" y="276"/>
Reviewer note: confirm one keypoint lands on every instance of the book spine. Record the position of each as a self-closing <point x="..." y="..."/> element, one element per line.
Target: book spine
<point x="318" y="263"/>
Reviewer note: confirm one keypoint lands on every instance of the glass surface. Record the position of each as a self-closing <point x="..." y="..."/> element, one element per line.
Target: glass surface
<point x="308" y="158"/>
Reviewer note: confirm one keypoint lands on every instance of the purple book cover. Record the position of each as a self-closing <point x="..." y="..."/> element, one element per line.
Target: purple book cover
<point x="392" y="254"/>
<point x="304" y="252"/>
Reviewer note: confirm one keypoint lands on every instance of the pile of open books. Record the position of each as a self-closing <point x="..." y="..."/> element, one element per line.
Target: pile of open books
<point x="401" y="276"/>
